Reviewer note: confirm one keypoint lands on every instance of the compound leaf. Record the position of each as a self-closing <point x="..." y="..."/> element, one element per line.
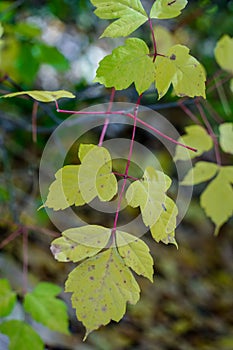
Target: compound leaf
<point x="127" y="64"/>
<point x="226" y="137"/>
<point x="21" y="335"/>
<point x="149" y="194"/>
<point x="181" y="70"/>
<point x="164" y="228"/>
<point x="7" y="298"/>
<point x="95" y="174"/>
<point x="43" y="96"/>
<point x="80" y="243"/>
<point x="45" y="308"/>
<point x="217" y="199"/>
<point x="202" y="171"/>
<point x="167" y="8"/>
<point x="64" y="191"/>
<point x="130" y="15"/>
<point x="223" y="53"/>
<point x="135" y="254"/>
<point x="197" y="137"/>
<point x="101" y="287"/>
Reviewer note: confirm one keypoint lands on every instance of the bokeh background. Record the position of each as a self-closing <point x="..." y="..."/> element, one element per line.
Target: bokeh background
<point x="54" y="45"/>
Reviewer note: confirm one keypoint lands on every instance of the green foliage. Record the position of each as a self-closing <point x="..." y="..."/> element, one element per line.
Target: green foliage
<point x="167" y="9"/>
<point x="45" y="308"/>
<point x="223" y="53"/>
<point x="226" y="137"/>
<point x="7" y="298"/>
<point x="42" y="96"/>
<point x="197" y="137"/>
<point x="21" y="335"/>
<point x="127" y="64"/>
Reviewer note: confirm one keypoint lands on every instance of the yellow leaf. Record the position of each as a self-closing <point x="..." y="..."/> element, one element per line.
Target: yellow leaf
<point x="101" y="287"/>
<point x="181" y="70"/>
<point x="42" y="96"/>
<point x="167" y="8"/>
<point x="149" y="194"/>
<point x="226" y="137"/>
<point x="217" y="199"/>
<point x="163" y="229"/>
<point x="196" y="137"/>
<point x="224" y="52"/>
<point x="80" y="243"/>
<point x="64" y="191"/>
<point x="135" y="254"/>
<point x="164" y="39"/>
<point x="95" y="174"/>
<point x="202" y="171"/>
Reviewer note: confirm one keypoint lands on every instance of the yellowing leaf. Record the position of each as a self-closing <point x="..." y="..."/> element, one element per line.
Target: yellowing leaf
<point x="80" y="243"/>
<point x="64" y="191"/>
<point x="126" y="65"/>
<point x="101" y="287"/>
<point x="181" y="70"/>
<point x="196" y="137"/>
<point x="164" y="39"/>
<point x="45" y="308"/>
<point x="163" y="229"/>
<point x="130" y="15"/>
<point x="135" y="254"/>
<point x="217" y="199"/>
<point x="95" y="175"/>
<point x="43" y="96"/>
<point x="202" y="171"/>
<point x="149" y="194"/>
<point x="223" y="53"/>
<point x="167" y="8"/>
<point x="84" y="149"/>
<point x="226" y="137"/>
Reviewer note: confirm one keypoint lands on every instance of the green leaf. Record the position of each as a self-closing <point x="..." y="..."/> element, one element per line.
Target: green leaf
<point x="7" y="298"/>
<point x="196" y="137"/>
<point x="80" y="243"/>
<point x="164" y="228"/>
<point x="101" y="287"/>
<point x="223" y="53"/>
<point x="226" y="137"/>
<point x="149" y="194"/>
<point x="217" y="199"/>
<point x="45" y="308"/>
<point x="130" y="15"/>
<point x="51" y="55"/>
<point x="95" y="175"/>
<point x="64" y="191"/>
<point x="202" y="171"/>
<point x="181" y="70"/>
<point x="135" y="254"/>
<point x="127" y="64"/>
<point x="167" y="8"/>
<point x="42" y="96"/>
<point x="21" y="335"/>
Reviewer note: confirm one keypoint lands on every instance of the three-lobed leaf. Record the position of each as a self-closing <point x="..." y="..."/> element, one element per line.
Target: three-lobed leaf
<point x="149" y="194"/>
<point x="181" y="70"/>
<point x="101" y="287"/>
<point x="226" y="137"/>
<point x="197" y="137"/>
<point x="127" y="64"/>
<point x="202" y="171"/>
<point x="45" y="308"/>
<point x="22" y="336"/>
<point x="79" y="243"/>
<point x="163" y="9"/>
<point x="42" y="96"/>
<point x="7" y="298"/>
<point x="129" y="15"/>
<point x="223" y="53"/>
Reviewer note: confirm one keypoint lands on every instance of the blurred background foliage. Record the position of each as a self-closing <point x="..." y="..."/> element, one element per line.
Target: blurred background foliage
<point x="54" y="45"/>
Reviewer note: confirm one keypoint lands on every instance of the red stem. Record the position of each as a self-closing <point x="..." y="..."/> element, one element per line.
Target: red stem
<point x="189" y="113"/>
<point x="153" y="39"/>
<point x="34" y="124"/>
<point x="210" y="130"/>
<point x="130" y="116"/>
<point x="11" y="237"/>
<point x="106" y="122"/>
<point x="25" y="260"/>
<point x="123" y="175"/>
<point x="127" y="167"/>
